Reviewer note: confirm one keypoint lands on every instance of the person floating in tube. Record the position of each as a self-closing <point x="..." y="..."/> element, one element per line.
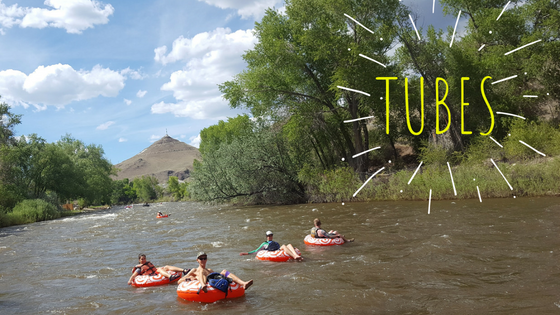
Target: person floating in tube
<point x="201" y="274"/>
<point x="147" y="268"/>
<point x="318" y="232"/>
<point x="271" y="245"/>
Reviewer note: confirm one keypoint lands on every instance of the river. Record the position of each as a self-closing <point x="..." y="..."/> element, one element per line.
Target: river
<point x="465" y="257"/>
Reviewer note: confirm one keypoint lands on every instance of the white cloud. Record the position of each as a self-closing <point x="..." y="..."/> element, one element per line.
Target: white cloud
<point x="201" y="109"/>
<point x="245" y="8"/>
<point x="58" y="85"/>
<point x="214" y="58"/>
<point x="123" y="140"/>
<point x="105" y="125"/>
<point x="195" y="141"/>
<point x="154" y="138"/>
<point x="74" y="16"/>
<point x="128" y="102"/>
<point x="205" y="43"/>
<point x="133" y="74"/>
<point x="10" y="16"/>
<point x="182" y="136"/>
<point x="141" y="93"/>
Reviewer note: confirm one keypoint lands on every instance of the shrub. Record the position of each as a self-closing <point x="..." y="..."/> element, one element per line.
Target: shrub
<point x="481" y="149"/>
<point x="329" y="185"/>
<point x="434" y="155"/>
<point x="33" y="210"/>
<point x="82" y="203"/>
<point x="543" y="137"/>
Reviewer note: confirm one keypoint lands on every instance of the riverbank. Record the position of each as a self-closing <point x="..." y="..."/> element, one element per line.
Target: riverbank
<point x="531" y="178"/>
<point x="536" y="177"/>
<point x="31" y="215"/>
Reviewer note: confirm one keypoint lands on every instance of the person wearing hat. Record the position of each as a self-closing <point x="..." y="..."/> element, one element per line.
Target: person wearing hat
<point x="201" y="274"/>
<point x="318" y="232"/>
<point x="271" y="245"/>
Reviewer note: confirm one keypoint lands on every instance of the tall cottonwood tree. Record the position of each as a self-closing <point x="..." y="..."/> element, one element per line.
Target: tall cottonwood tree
<point x="300" y="60"/>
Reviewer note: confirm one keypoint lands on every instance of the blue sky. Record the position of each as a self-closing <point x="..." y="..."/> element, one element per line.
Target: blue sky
<point x="120" y="73"/>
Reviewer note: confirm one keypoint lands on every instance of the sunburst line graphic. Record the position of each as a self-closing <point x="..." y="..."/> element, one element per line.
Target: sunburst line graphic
<point x="357" y="119"/>
<point x="478" y="190"/>
<point x="516" y="49"/>
<point x="499" y="16"/>
<point x="501" y="173"/>
<point x="364" y="152"/>
<point x="456" y="22"/>
<point x="502" y="113"/>
<point x="371" y="59"/>
<point x="505" y="79"/>
<point x="509" y="114"/>
<point x="501" y="146"/>
<point x="530" y="147"/>
<point x="411" y="20"/>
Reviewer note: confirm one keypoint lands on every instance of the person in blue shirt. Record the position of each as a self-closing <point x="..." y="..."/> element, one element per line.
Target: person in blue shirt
<point x="271" y="245"/>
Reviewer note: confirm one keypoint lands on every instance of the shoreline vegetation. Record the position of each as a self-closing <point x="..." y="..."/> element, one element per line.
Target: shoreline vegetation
<point x="540" y="177"/>
<point x="530" y="178"/>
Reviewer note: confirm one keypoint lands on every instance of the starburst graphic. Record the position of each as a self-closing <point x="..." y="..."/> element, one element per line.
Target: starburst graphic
<point x="494" y="82"/>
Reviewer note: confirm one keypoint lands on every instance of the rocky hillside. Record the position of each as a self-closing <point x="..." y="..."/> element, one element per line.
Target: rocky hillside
<point x="165" y="157"/>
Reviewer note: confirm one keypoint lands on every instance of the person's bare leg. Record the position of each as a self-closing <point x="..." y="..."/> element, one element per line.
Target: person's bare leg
<point x="236" y="279"/>
<point x="172" y="268"/>
<point x="202" y="278"/>
<point x="163" y="272"/>
<point x="289" y="249"/>
<point x="341" y="236"/>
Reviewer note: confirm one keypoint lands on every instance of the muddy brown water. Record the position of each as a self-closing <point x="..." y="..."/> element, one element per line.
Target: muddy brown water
<point x="465" y="257"/>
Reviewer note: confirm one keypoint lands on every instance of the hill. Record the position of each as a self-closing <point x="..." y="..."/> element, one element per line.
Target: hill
<point x="165" y="157"/>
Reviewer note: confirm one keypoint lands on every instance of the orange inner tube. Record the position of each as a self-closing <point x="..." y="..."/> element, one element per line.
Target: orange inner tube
<point x="162" y="216"/>
<point x="310" y="240"/>
<point x="188" y="291"/>
<point x="277" y="255"/>
<point x="152" y="280"/>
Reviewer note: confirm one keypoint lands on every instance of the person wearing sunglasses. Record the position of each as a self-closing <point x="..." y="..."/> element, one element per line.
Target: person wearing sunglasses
<point x="201" y="274"/>
<point x="271" y="245"/>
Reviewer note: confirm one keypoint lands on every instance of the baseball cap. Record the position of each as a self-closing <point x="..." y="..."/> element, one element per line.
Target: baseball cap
<point x="268" y="233"/>
<point x="201" y="254"/>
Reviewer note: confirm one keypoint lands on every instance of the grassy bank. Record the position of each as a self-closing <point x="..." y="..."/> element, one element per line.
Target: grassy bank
<point x="528" y="173"/>
<point x="538" y="177"/>
<point x="29" y="211"/>
<point x="35" y="210"/>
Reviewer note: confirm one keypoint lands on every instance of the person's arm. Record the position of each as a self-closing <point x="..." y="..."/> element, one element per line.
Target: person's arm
<point x="256" y="250"/>
<point x="204" y="280"/>
<point x="188" y="276"/>
<point x="323" y="233"/>
<point x="132" y="277"/>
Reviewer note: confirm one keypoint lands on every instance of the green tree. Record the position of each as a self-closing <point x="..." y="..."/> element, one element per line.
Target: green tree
<point x="8" y="121"/>
<point x="123" y="192"/>
<point x="174" y="188"/>
<point x="300" y="59"/>
<point x="146" y="188"/>
<point x="256" y="167"/>
<point x="211" y="137"/>
<point x="94" y="171"/>
<point x="11" y="195"/>
<point x="536" y="65"/>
